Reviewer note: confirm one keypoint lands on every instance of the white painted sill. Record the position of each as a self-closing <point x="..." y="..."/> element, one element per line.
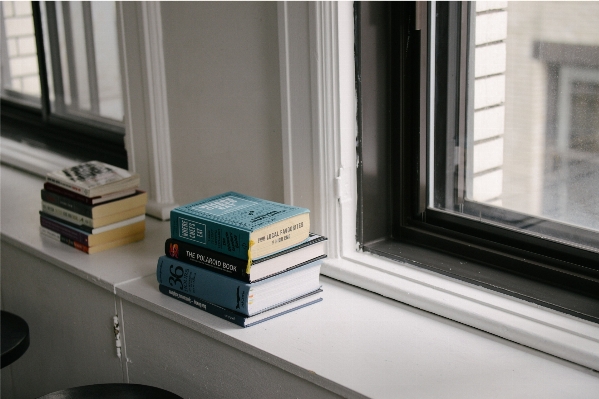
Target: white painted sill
<point x="31" y="159"/>
<point x="544" y="329"/>
<point x="39" y="162"/>
<point x="526" y="323"/>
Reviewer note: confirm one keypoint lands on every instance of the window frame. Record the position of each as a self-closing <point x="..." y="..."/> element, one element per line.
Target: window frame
<point x="556" y="276"/>
<point x="80" y="138"/>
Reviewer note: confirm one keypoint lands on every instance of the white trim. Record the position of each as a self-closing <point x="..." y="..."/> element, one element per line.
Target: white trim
<point x="296" y="110"/>
<point x="156" y="81"/>
<point x="325" y="117"/>
<point x="146" y="114"/>
<point x="286" y="108"/>
<point x="309" y="111"/>
<point x="160" y="210"/>
<point x="334" y="130"/>
<point x="33" y="160"/>
<point x="528" y="324"/>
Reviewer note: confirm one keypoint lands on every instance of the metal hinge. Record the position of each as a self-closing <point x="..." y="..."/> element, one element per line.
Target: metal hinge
<point x="117" y="335"/>
<point x="338" y="184"/>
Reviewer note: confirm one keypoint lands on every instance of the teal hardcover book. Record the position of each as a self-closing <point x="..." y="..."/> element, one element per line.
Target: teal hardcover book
<point x="239" y="225"/>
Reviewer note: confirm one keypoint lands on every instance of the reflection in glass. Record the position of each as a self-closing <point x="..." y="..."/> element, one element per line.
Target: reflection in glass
<point x="19" y="75"/>
<point x="535" y="112"/>
<point x="86" y="79"/>
<point x="516" y="135"/>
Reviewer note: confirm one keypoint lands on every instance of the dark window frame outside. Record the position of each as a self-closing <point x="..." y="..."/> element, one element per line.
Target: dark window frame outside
<point x="80" y="138"/>
<point x="392" y="220"/>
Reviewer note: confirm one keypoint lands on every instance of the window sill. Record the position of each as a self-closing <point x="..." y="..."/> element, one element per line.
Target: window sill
<point x="30" y="159"/>
<point x="39" y="162"/>
<point x="354" y="343"/>
<point x="519" y="321"/>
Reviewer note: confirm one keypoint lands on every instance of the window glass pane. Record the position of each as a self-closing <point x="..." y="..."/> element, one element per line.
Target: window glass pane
<point x="82" y="38"/>
<point x="19" y="76"/>
<point x="529" y="152"/>
<point x="107" y="64"/>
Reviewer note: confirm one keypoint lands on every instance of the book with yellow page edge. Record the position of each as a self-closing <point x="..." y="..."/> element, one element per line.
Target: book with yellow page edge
<point x="137" y="199"/>
<point x="241" y="226"/>
<point x="121" y="230"/>
<point x="309" y="250"/>
<point x="77" y="219"/>
<point x="91" y="250"/>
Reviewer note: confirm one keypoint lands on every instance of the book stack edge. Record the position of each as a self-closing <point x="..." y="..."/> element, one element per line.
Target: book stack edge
<point x="93" y="207"/>
<point x="209" y="262"/>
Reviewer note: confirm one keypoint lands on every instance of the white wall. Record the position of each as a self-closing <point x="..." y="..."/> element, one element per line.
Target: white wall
<point x="222" y="80"/>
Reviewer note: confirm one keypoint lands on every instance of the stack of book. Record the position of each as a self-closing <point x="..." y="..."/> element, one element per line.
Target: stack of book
<point x="241" y="258"/>
<point x="93" y="206"/>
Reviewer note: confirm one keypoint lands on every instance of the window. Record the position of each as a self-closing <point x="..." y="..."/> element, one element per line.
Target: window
<point x="476" y="143"/>
<point x="61" y="80"/>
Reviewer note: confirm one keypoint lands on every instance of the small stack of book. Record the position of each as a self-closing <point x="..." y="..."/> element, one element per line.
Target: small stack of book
<point x="242" y="258"/>
<point x="93" y="206"/>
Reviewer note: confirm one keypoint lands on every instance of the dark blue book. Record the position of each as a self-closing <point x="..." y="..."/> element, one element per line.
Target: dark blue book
<point x="236" y="295"/>
<point x="241" y="319"/>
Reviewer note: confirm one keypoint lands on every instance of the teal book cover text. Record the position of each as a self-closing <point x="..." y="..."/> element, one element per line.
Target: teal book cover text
<point x="224" y="222"/>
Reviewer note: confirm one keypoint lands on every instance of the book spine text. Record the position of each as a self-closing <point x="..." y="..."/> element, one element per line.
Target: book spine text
<point x="205" y="306"/>
<point x="67" y="203"/>
<point x="67" y="193"/>
<point x="205" y="284"/>
<point x="64" y="230"/>
<point x="64" y="240"/>
<point x="202" y="257"/>
<point x="210" y="234"/>
<point x="67" y="215"/>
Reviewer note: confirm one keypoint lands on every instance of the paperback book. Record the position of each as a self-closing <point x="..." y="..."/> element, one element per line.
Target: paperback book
<point x="310" y="250"/>
<point x="241" y="319"/>
<point x="230" y="293"/>
<point x="240" y="226"/>
<point x="94" y="249"/>
<point x="78" y="219"/>
<point x="88" y="239"/>
<point x="88" y="200"/>
<point x="95" y="230"/>
<point x="139" y="198"/>
<point x="93" y="178"/>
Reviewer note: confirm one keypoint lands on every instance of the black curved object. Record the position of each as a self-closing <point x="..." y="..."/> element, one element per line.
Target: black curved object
<point x="112" y="391"/>
<point x="15" y="337"/>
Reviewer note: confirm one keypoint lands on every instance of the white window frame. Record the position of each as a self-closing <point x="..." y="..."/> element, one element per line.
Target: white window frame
<point x="320" y="173"/>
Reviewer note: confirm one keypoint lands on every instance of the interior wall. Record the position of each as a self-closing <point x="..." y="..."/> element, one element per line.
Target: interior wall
<point x="222" y="76"/>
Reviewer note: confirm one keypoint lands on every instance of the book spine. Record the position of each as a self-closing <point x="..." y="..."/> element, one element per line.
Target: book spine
<point x="67" y="203"/>
<point x="202" y="257"/>
<point x="67" y="193"/>
<point x="86" y="229"/>
<point x="64" y="230"/>
<point x="69" y="186"/>
<point x="210" y="234"/>
<point x="65" y="240"/>
<point x="205" y="306"/>
<point x="205" y="284"/>
<point x="67" y="215"/>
